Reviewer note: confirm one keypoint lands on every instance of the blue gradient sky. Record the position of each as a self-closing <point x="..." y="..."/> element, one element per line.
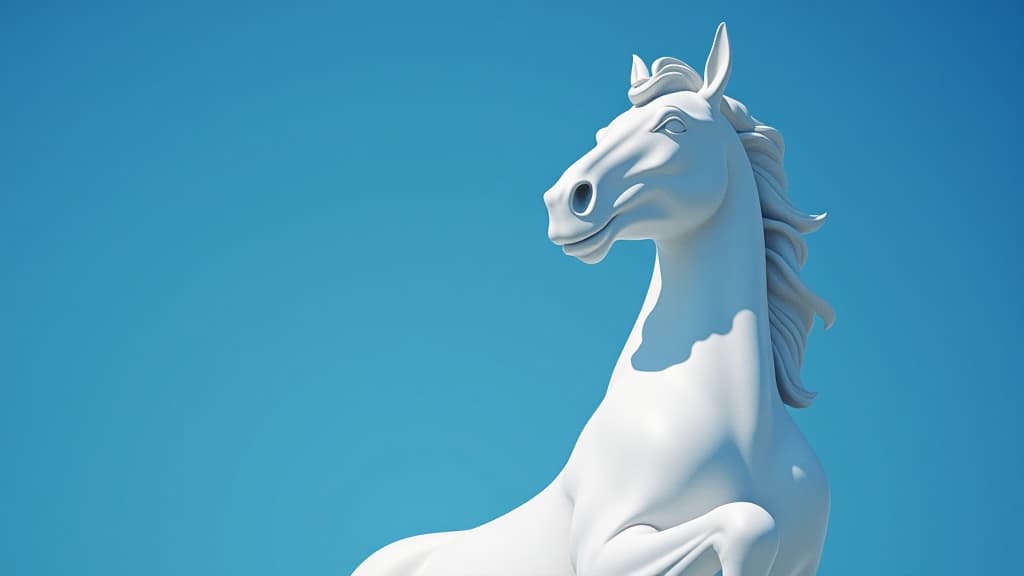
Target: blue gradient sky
<point x="275" y="287"/>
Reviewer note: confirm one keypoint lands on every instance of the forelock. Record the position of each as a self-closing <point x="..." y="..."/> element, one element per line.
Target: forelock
<point x="668" y="75"/>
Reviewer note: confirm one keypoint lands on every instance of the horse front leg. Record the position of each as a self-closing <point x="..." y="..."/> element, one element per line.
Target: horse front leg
<point x="404" y="557"/>
<point x="738" y="539"/>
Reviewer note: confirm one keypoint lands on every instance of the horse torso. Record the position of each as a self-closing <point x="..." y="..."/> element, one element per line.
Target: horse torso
<point x="663" y="449"/>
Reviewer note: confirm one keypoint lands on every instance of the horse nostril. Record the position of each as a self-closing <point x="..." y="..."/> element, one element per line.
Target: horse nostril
<point x="582" y="198"/>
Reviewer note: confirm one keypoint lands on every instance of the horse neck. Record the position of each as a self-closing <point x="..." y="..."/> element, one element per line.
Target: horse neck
<point x="706" y="283"/>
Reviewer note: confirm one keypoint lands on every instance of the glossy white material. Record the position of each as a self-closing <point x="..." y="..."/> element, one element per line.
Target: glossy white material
<point x="691" y="465"/>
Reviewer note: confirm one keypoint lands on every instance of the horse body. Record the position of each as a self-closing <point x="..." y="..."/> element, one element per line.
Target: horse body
<point x="534" y="539"/>
<point x="691" y="465"/>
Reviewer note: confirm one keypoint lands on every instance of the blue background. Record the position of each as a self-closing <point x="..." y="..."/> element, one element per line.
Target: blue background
<point x="275" y="287"/>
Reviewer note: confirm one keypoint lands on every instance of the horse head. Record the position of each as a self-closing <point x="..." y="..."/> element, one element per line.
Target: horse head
<point x="658" y="170"/>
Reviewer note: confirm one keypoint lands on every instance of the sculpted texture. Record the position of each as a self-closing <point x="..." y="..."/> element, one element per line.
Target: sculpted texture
<point x="691" y="465"/>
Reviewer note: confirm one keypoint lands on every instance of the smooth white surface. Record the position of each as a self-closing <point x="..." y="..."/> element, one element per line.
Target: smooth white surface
<point x="691" y="464"/>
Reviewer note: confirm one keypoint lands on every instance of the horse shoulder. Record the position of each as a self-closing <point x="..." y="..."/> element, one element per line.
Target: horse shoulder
<point x="641" y="459"/>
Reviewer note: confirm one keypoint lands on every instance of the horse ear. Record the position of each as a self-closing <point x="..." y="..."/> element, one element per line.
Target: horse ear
<point x="639" y="73"/>
<point x="718" y="67"/>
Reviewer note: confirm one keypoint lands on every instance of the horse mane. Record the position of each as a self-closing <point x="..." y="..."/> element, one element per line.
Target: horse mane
<point x="792" y="306"/>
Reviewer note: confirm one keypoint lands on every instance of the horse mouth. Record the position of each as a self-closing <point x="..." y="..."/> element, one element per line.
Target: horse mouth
<point x="588" y="243"/>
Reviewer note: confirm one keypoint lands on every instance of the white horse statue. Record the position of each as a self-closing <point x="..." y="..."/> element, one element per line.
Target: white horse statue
<point x="691" y="465"/>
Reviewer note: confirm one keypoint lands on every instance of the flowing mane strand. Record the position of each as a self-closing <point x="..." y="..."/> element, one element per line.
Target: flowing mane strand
<point x="792" y="306"/>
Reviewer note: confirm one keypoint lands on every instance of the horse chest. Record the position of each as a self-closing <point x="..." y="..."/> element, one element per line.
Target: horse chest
<point x="664" y="453"/>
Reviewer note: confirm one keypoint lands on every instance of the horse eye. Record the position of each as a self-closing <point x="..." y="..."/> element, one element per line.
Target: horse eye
<point x="672" y="125"/>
